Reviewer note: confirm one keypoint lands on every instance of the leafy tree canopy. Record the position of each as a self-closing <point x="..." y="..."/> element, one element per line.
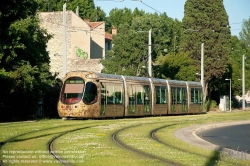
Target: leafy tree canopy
<point x="130" y="50"/>
<point x="245" y="33"/>
<point x="24" y="61"/>
<point x="245" y="44"/>
<point x="207" y="22"/>
<point x="87" y="9"/>
<point x="117" y="17"/>
<point x="177" y="66"/>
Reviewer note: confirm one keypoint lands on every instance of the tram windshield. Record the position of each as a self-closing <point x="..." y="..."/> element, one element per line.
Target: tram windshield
<point x="72" y="90"/>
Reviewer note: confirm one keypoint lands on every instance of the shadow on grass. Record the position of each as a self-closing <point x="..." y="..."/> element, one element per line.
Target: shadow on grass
<point x="215" y="157"/>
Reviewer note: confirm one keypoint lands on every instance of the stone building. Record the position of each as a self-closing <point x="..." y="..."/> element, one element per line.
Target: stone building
<point x="86" y="42"/>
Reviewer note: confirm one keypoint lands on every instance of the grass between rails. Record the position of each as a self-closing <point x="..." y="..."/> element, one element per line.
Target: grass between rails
<point x="92" y="144"/>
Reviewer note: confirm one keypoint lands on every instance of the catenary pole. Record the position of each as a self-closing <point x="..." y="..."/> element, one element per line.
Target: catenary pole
<point x="243" y="82"/>
<point x="149" y="54"/>
<point x="64" y="42"/>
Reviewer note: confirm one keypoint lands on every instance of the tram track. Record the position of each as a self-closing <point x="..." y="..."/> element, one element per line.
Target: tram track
<point x="154" y="137"/>
<point x="51" y="142"/>
<point x="140" y="152"/>
<point x="115" y="138"/>
<point x="11" y="139"/>
<point x="52" y="151"/>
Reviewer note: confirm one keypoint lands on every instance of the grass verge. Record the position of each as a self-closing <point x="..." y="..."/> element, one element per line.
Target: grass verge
<point x="26" y="143"/>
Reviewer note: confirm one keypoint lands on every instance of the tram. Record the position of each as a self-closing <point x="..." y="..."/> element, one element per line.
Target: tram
<point x="87" y="94"/>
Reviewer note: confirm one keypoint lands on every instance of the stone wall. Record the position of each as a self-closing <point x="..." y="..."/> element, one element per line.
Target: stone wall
<point x="78" y="40"/>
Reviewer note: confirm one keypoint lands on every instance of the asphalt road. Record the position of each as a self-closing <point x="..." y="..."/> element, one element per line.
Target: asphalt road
<point x="236" y="137"/>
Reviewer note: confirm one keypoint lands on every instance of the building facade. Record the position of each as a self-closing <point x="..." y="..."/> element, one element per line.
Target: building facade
<point x="85" y="42"/>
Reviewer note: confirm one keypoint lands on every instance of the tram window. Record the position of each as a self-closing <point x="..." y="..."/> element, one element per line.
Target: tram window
<point x="196" y="95"/>
<point x="184" y="95"/>
<point x="193" y="96"/>
<point x="132" y="95"/>
<point x="114" y="94"/>
<point x="72" y="90"/>
<point x="110" y="96"/>
<point x="179" y="95"/>
<point x="118" y="93"/>
<point x="103" y="98"/>
<point x="173" y="95"/>
<point x="90" y="94"/>
<point x="200" y="96"/>
<point x="139" y="95"/>
<point x="147" y="93"/>
<point x="146" y="99"/>
<point x="160" y="94"/>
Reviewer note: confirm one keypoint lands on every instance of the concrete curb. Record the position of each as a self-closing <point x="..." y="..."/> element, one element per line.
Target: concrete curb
<point x="188" y="135"/>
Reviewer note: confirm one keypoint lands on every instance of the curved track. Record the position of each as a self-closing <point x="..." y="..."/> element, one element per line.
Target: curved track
<point x="25" y="133"/>
<point x="52" y="151"/>
<point x="50" y="143"/>
<point x="142" y="153"/>
<point x="148" y="141"/>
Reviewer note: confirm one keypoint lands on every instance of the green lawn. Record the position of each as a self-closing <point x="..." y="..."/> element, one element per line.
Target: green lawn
<point x="90" y="142"/>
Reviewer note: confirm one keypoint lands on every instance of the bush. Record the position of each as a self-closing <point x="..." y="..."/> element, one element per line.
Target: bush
<point x="210" y="105"/>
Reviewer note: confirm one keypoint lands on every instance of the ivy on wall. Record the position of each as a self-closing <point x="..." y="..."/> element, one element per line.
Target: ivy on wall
<point x="80" y="53"/>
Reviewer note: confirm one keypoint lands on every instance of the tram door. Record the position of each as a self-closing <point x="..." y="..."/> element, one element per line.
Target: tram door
<point x="184" y="99"/>
<point x="112" y="101"/>
<point x="139" y="100"/>
<point x="146" y="99"/>
<point x="132" y="95"/>
<point x="178" y="99"/>
<point x="103" y="99"/>
<point x="173" y="99"/>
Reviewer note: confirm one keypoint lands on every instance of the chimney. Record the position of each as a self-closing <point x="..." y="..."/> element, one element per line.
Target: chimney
<point x="77" y="10"/>
<point x="86" y="20"/>
<point x="114" y="31"/>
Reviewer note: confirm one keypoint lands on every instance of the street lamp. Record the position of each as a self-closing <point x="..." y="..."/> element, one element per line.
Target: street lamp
<point x="229" y="94"/>
<point x="202" y="65"/>
<point x="243" y="82"/>
<point x="149" y="52"/>
<point x="64" y="42"/>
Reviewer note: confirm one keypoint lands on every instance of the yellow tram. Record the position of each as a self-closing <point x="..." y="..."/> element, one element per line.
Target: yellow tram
<point x="96" y="95"/>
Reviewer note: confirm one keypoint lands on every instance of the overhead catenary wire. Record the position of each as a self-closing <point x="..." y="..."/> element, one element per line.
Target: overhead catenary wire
<point x="149" y="6"/>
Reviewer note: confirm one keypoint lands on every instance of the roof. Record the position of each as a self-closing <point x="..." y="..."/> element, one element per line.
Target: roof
<point x="93" y="25"/>
<point x="108" y="36"/>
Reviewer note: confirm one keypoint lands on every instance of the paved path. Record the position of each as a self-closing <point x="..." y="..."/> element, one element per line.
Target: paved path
<point x="189" y="135"/>
<point x="236" y="137"/>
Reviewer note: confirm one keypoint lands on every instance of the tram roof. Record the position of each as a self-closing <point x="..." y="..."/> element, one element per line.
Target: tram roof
<point x="134" y="78"/>
<point x="112" y="76"/>
<point x="177" y="82"/>
<point x="158" y="80"/>
<point x="193" y="83"/>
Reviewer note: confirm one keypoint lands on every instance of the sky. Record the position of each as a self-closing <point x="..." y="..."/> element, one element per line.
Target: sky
<point x="237" y="10"/>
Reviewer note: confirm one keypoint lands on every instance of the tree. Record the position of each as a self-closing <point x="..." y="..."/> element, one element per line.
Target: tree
<point x="177" y="66"/>
<point x="130" y="51"/>
<point x="245" y="33"/>
<point x="207" y="22"/>
<point x="87" y="9"/>
<point x="24" y="61"/>
<point x="245" y="38"/>
<point x="237" y="50"/>
<point x="117" y="17"/>
<point x="127" y="54"/>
